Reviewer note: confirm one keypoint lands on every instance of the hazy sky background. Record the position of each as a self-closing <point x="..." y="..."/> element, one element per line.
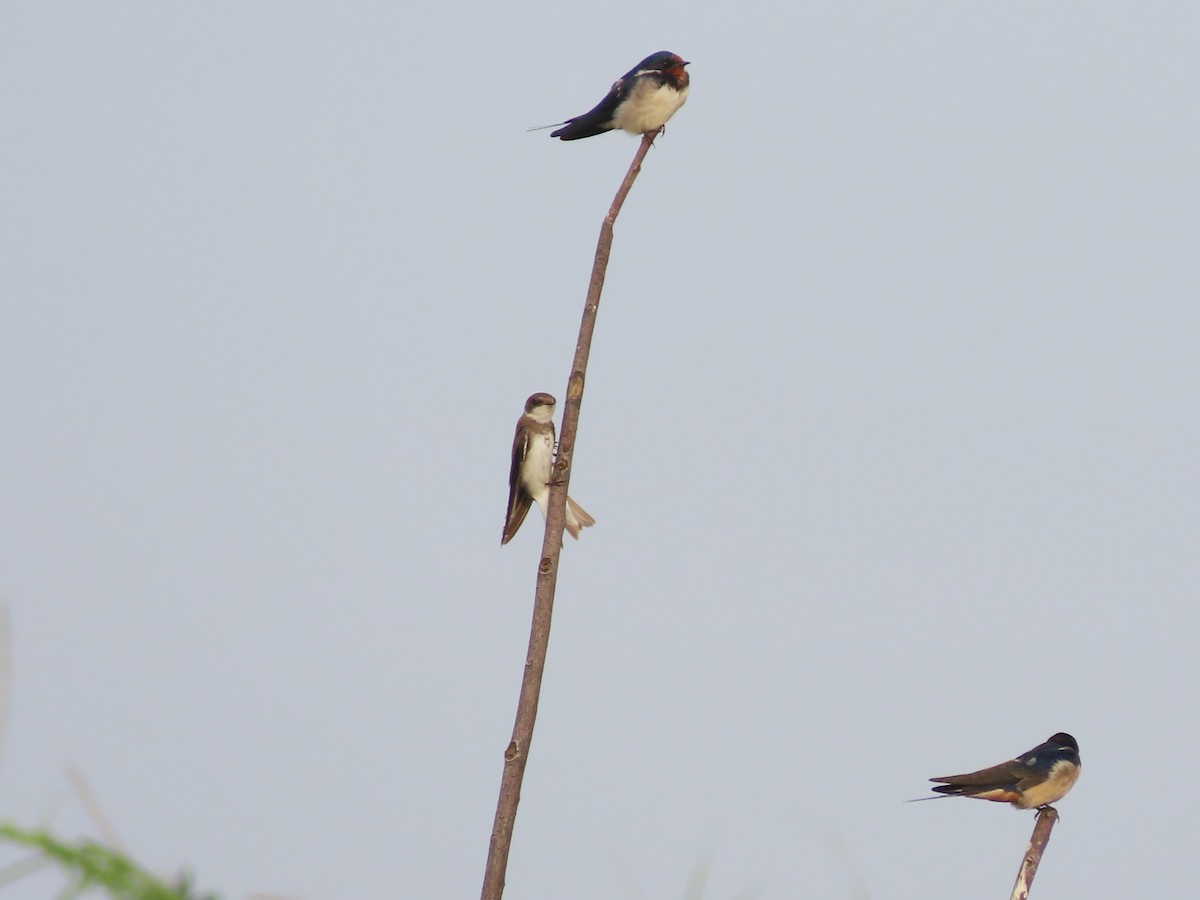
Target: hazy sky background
<point x="890" y="432"/>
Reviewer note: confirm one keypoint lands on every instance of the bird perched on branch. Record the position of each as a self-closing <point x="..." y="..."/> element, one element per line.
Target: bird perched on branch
<point x="640" y="101"/>
<point x="1033" y="780"/>
<point x="529" y="476"/>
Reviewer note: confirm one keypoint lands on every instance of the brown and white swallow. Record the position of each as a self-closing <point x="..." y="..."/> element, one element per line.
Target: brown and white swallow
<point x="1034" y="779"/>
<point x="532" y="461"/>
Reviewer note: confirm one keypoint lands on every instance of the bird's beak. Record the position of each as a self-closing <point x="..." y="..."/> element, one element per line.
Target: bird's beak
<point x="686" y="63"/>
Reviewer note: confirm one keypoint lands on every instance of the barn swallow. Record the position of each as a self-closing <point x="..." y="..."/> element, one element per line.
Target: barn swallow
<point x="640" y="101"/>
<point x="1034" y="779"/>
<point x="529" y="477"/>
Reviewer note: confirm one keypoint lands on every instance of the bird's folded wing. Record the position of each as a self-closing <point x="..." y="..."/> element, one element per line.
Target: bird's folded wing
<point x="1010" y="772"/>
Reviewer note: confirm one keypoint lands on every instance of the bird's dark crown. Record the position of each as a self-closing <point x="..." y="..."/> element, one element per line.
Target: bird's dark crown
<point x="538" y="399"/>
<point x="1063" y="739"/>
<point x="662" y="60"/>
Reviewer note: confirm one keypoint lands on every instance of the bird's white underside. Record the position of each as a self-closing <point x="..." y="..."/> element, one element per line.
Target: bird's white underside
<point x="535" y="473"/>
<point x="649" y="108"/>
<point x="535" y="476"/>
<point x="1061" y="779"/>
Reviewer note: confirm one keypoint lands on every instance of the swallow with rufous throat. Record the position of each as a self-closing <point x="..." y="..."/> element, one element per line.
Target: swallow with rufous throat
<point x="640" y="101"/>
<point x="529" y="476"/>
<point x="1033" y="780"/>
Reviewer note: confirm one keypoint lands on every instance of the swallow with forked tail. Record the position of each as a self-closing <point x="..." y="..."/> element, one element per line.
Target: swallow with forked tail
<point x="640" y="101"/>
<point x="1033" y="780"/>
<point x="529" y="476"/>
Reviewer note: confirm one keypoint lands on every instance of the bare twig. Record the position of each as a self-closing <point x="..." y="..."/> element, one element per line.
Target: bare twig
<point x="517" y="753"/>
<point x="6" y="673"/>
<point x="108" y="834"/>
<point x="1046" y="818"/>
<point x="23" y="868"/>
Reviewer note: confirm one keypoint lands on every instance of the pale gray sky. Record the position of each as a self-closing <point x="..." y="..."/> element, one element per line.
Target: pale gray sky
<point x="890" y="432"/>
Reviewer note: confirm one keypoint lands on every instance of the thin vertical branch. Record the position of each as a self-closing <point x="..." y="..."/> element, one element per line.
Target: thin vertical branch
<point x="1046" y="818"/>
<point x="6" y="674"/>
<point x="517" y="753"/>
<point x="104" y="827"/>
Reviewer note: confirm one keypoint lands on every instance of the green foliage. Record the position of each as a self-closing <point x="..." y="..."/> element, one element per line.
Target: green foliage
<point x="93" y="866"/>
